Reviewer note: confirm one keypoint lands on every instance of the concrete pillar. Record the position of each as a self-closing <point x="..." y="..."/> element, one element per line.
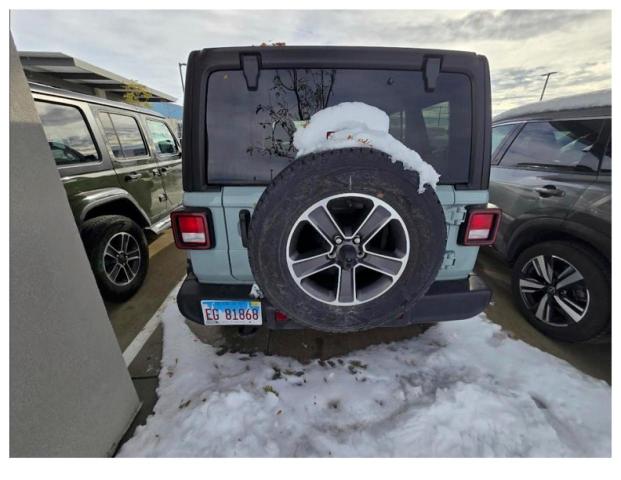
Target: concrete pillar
<point x="70" y="392"/>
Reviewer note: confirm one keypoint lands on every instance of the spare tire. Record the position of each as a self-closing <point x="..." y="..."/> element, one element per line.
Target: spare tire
<point x="341" y="240"/>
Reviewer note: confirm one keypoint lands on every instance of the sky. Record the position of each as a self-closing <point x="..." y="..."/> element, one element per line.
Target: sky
<point x="520" y="45"/>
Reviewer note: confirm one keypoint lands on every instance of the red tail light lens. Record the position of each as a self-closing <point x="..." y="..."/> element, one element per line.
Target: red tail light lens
<point x="481" y="227"/>
<point x="191" y="230"/>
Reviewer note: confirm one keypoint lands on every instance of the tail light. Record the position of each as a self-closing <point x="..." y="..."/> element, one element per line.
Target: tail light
<point x="481" y="227"/>
<point x="191" y="229"/>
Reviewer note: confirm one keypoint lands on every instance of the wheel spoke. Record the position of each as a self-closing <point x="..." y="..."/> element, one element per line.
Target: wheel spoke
<point x="133" y="271"/>
<point x="565" y="273"/>
<point x="135" y="257"/>
<point x="543" y="309"/>
<point x="569" y="279"/>
<point x="323" y="222"/>
<point x="126" y="273"/>
<point x="310" y="266"/>
<point x="374" y="222"/>
<point x="123" y="243"/>
<point x="108" y="253"/>
<point x="580" y="309"/>
<point x="347" y="286"/>
<point x="381" y="263"/>
<point x="529" y="285"/>
<point x="542" y="268"/>
<point x="114" y="274"/>
<point x="568" y="310"/>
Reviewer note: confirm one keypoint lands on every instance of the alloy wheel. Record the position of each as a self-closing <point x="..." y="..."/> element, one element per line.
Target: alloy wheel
<point x="554" y="290"/>
<point x="348" y="249"/>
<point x="121" y="258"/>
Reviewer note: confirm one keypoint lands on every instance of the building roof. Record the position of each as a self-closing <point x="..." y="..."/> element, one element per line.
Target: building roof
<point x="73" y="71"/>
<point x="597" y="99"/>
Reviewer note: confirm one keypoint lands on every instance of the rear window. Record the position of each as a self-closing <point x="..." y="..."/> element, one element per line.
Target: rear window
<point x="163" y="138"/>
<point x="250" y="133"/>
<point x="67" y="134"/>
<point x="499" y="133"/>
<point x="556" y="145"/>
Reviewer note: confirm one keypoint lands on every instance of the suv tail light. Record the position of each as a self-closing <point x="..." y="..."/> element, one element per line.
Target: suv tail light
<point x="191" y="230"/>
<point x="481" y="227"/>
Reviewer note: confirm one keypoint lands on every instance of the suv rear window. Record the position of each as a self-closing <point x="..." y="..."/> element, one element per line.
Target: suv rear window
<point x="250" y="133"/>
<point x="556" y="145"/>
<point x="67" y="133"/>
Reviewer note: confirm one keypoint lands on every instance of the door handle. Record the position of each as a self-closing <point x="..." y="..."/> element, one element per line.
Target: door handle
<point x="549" y="191"/>
<point x="133" y="176"/>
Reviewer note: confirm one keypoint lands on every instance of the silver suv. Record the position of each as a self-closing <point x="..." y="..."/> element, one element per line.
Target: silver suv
<point x="551" y="172"/>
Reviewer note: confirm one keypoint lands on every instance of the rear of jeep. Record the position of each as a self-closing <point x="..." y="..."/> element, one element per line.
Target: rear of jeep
<point x="337" y="240"/>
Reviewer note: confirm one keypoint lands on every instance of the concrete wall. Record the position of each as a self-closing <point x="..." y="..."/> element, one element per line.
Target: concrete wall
<point x="70" y="392"/>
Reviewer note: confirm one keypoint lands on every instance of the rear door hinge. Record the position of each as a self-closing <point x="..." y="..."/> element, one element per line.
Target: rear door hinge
<point x="449" y="260"/>
<point x="431" y="72"/>
<point x="455" y="215"/>
<point x="251" y="67"/>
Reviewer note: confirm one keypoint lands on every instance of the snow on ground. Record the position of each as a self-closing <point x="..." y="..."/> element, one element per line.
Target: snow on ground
<point x="461" y="389"/>
<point x="355" y="124"/>
<point x="599" y="98"/>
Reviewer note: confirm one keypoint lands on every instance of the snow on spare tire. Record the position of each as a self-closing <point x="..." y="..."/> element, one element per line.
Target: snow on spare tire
<point x="348" y="236"/>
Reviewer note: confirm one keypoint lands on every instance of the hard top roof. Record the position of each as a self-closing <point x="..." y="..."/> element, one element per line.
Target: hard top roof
<point x="600" y="99"/>
<point x="58" y="92"/>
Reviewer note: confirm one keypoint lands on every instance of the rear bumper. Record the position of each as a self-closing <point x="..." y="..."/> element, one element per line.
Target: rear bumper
<point x="448" y="300"/>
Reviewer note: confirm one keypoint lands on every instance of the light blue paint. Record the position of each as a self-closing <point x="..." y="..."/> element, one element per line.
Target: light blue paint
<point x="228" y="262"/>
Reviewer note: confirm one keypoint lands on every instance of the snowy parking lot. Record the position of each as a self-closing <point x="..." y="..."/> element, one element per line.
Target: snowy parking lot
<point x="461" y="389"/>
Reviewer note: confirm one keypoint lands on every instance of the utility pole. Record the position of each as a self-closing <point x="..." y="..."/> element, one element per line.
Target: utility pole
<point x="547" y="75"/>
<point x="181" y="75"/>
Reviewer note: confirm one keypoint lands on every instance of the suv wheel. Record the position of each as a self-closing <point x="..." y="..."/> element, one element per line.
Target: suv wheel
<point x="342" y="240"/>
<point x="563" y="289"/>
<point x="118" y="253"/>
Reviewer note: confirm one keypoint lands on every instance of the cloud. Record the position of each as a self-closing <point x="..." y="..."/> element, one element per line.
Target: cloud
<point x="520" y="44"/>
<point x="514" y="24"/>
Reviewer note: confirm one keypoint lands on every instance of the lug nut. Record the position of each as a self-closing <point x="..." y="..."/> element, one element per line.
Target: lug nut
<point x="338" y="240"/>
<point x="357" y="240"/>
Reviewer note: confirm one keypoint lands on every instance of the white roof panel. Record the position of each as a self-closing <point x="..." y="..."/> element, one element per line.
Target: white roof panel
<point x="599" y="98"/>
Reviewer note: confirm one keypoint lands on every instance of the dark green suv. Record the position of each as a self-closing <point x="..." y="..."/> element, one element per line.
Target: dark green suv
<point x="121" y="168"/>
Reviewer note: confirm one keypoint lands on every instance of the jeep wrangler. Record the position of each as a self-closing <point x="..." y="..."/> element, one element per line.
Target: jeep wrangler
<point x="341" y="239"/>
<point x="121" y="169"/>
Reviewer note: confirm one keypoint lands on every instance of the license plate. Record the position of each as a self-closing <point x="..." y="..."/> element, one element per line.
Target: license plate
<point x="231" y="312"/>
